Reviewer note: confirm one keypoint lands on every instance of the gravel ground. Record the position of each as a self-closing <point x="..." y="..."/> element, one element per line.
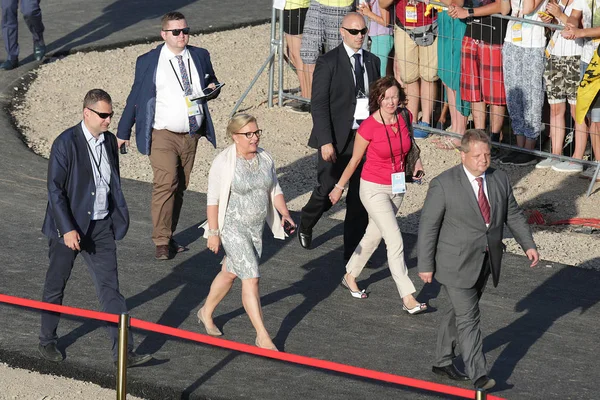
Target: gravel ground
<point x="53" y="102"/>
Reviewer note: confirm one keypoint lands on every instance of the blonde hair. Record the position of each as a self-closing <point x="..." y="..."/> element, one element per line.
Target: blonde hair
<point x="474" y="135"/>
<point x="237" y="122"/>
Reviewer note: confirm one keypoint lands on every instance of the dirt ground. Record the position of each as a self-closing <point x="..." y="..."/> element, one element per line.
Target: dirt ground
<point x="52" y="103"/>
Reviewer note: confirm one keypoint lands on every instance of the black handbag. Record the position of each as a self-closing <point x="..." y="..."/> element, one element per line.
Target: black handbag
<point x="414" y="153"/>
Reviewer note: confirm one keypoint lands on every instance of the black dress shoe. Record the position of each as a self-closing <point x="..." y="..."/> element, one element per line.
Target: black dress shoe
<point x="484" y="383"/>
<point x="450" y="371"/>
<point x="50" y="352"/>
<point x="134" y="359"/>
<point x="9" y="64"/>
<point x="39" y="51"/>
<point x="305" y="239"/>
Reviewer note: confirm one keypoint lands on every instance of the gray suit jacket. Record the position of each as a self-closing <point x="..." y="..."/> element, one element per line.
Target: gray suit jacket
<point x="452" y="233"/>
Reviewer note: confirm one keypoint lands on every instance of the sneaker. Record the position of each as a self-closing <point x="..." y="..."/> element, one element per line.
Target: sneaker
<point x="547" y="163"/>
<point x="420" y="134"/>
<point x="567" y="166"/>
<point x="519" y="159"/>
<point x="589" y="173"/>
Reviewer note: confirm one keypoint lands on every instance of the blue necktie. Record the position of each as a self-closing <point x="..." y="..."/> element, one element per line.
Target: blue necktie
<point x="185" y="79"/>
<point x="359" y="75"/>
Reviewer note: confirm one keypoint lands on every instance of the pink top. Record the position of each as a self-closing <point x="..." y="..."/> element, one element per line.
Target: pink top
<point x="378" y="166"/>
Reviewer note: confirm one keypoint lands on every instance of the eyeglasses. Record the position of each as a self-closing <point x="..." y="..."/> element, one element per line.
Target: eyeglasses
<point x="177" y="32"/>
<point x="355" y="32"/>
<point x="249" y="135"/>
<point x="102" y="115"/>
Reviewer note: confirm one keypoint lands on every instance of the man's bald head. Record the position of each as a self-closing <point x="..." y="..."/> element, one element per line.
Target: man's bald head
<point x="353" y="23"/>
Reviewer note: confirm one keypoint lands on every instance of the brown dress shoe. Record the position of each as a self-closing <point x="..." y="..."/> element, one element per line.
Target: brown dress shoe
<point x="162" y="252"/>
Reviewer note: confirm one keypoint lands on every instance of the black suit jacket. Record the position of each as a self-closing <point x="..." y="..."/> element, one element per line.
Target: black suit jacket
<point x="333" y="97"/>
<point x="71" y="186"/>
<point x="453" y="236"/>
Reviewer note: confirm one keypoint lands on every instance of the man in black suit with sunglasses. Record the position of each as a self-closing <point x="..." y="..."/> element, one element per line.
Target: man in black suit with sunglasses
<point x="86" y="212"/>
<point x="168" y="105"/>
<point x="340" y="91"/>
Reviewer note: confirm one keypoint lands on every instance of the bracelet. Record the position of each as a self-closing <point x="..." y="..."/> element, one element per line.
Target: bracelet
<point x="339" y="187"/>
<point x="213" y="232"/>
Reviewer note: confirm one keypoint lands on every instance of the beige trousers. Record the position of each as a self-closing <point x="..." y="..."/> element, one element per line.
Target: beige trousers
<point x="172" y="158"/>
<point x="382" y="207"/>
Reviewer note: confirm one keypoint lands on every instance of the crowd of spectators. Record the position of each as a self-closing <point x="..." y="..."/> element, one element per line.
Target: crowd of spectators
<point x="492" y="68"/>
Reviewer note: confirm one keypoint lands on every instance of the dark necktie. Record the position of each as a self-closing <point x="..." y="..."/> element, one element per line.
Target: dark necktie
<point x="359" y="75"/>
<point x="483" y="202"/>
<point x="187" y="88"/>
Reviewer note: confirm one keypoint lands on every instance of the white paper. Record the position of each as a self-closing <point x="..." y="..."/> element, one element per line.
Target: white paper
<point x="279" y="4"/>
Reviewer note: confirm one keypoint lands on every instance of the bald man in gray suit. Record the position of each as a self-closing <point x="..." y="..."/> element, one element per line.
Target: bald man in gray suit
<point x="460" y="244"/>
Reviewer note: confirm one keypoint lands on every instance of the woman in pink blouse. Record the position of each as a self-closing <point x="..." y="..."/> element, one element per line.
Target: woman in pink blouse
<point x="386" y="140"/>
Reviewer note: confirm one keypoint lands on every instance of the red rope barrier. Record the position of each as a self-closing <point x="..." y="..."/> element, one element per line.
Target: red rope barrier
<point x="244" y="348"/>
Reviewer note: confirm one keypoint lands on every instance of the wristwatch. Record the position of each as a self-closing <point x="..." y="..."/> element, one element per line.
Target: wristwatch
<point x="471" y="13"/>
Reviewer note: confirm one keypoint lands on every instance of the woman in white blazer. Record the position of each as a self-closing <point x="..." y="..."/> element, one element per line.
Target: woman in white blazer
<point x="243" y="193"/>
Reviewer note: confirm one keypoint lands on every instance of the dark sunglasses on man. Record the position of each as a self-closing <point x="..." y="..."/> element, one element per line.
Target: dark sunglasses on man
<point x="355" y="32"/>
<point x="102" y="115"/>
<point x="177" y="32"/>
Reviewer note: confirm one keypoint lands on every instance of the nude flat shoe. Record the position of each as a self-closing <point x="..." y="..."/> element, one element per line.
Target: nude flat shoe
<point x="211" y="331"/>
<point x="267" y="348"/>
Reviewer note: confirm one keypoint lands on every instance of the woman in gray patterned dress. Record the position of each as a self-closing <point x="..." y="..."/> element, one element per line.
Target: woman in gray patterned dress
<point x="243" y="193"/>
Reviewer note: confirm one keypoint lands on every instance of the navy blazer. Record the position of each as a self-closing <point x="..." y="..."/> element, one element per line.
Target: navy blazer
<point x="71" y="186"/>
<point x="141" y="102"/>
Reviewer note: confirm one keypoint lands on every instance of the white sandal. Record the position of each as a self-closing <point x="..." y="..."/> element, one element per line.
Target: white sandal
<point x="357" y="295"/>
<point x="419" y="308"/>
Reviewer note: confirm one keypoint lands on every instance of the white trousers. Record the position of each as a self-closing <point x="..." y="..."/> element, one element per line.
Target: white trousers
<point x="382" y="207"/>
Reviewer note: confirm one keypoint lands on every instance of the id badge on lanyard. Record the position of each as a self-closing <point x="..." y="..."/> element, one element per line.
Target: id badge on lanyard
<point x="517" y="32"/>
<point x="193" y="108"/>
<point x="102" y="195"/>
<point x="398" y="183"/>
<point x="361" y="112"/>
<point x="411" y="14"/>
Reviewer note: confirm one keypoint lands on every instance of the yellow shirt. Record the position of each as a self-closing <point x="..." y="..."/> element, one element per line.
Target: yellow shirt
<point x="336" y="3"/>
<point x="295" y="4"/>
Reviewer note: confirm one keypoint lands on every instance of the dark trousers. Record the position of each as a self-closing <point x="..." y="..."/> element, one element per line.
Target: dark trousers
<point x="460" y="327"/>
<point x="99" y="251"/>
<point x="32" y="14"/>
<point x="328" y="174"/>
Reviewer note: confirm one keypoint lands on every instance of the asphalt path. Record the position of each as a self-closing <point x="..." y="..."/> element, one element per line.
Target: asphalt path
<point x="540" y="325"/>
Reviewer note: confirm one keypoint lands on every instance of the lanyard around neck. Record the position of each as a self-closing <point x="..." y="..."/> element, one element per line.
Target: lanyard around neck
<point x="177" y="76"/>
<point x="99" y="162"/>
<point x="390" y="141"/>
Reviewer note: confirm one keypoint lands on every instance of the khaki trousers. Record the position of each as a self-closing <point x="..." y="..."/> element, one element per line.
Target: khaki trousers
<point x="172" y="158"/>
<point x="382" y="207"/>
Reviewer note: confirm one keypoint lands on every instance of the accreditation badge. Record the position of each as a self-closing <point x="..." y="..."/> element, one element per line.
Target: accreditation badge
<point x="193" y="108"/>
<point x="411" y="14"/>
<point x="517" y="33"/>
<point x="361" y="112"/>
<point x="398" y="183"/>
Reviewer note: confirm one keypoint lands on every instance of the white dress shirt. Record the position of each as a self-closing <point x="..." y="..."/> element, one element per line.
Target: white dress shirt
<point x="475" y="186"/>
<point x="171" y="109"/>
<point x="351" y="53"/>
<point x="100" y="170"/>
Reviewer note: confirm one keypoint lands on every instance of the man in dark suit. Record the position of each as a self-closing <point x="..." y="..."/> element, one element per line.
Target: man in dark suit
<point x="460" y="244"/>
<point x="169" y="119"/>
<point x="340" y="87"/>
<point x="86" y="212"/>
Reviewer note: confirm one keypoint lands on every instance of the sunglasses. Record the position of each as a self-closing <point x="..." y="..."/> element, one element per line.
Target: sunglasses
<point x="355" y="32"/>
<point x="177" y="32"/>
<point x="102" y="115"/>
<point x="250" y="134"/>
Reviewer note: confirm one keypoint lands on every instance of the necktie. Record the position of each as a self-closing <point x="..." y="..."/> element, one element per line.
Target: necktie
<point x="187" y="88"/>
<point x="484" y="205"/>
<point x="359" y="75"/>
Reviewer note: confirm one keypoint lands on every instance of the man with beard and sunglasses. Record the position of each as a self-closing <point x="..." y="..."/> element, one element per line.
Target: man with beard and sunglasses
<point x="339" y="103"/>
<point x="86" y="213"/>
<point x="168" y="105"/>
